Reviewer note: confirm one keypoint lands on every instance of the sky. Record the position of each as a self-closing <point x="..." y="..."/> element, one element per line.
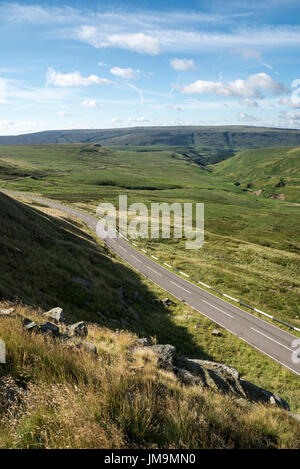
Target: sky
<point x="100" y="64"/>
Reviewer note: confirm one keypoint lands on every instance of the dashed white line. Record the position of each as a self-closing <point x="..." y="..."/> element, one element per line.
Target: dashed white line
<point x="138" y="260"/>
<point x="179" y="286"/>
<point x="153" y="270"/>
<point x="123" y="249"/>
<point x="224" y="312"/>
<point x="270" y="338"/>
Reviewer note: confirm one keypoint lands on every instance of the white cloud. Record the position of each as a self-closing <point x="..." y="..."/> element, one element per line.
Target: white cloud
<point x="91" y="103"/>
<point x="115" y="120"/>
<point x="137" y="42"/>
<point x="5" y="125"/>
<point x="246" y="117"/>
<point x="127" y="73"/>
<point x="248" y="102"/>
<point x="292" y="115"/>
<point x="72" y="79"/>
<point x="63" y="113"/>
<point x="135" y="120"/>
<point x="241" y="88"/>
<point x="183" y="64"/>
<point x="175" y="108"/>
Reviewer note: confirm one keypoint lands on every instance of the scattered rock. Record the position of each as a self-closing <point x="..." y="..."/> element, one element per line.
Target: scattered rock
<point x="30" y="325"/>
<point x="212" y="375"/>
<point x="216" y="333"/>
<point x="277" y="196"/>
<point x="81" y="281"/>
<point x="19" y="251"/>
<point x="6" y="312"/>
<point x="257" y="394"/>
<point x="56" y="314"/>
<point x="143" y="342"/>
<point x="89" y="347"/>
<point x="49" y="328"/>
<point x="258" y="192"/>
<point x="168" y="302"/>
<point x="166" y="355"/>
<point x="79" y="329"/>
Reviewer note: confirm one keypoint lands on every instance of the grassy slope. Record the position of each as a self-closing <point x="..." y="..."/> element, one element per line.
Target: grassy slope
<point x="73" y="401"/>
<point x="54" y="250"/>
<point x="265" y="168"/>
<point x="251" y="245"/>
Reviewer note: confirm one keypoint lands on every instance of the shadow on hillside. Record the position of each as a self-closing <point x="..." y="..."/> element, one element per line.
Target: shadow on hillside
<point x="41" y="255"/>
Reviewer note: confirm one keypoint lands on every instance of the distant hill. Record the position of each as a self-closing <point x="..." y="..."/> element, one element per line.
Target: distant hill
<point x="273" y="171"/>
<point x="213" y="143"/>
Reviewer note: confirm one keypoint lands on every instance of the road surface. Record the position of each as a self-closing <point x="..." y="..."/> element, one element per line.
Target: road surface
<point x="269" y="339"/>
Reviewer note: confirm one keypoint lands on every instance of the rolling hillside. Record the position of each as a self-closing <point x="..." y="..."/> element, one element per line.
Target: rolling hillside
<point x="58" y="392"/>
<point x="273" y="171"/>
<point x="207" y="144"/>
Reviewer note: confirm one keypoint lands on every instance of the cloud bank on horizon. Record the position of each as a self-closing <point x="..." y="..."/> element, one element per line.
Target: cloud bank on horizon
<point x="148" y="64"/>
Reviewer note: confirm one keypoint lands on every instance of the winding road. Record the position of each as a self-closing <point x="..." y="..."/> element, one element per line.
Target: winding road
<point x="274" y="342"/>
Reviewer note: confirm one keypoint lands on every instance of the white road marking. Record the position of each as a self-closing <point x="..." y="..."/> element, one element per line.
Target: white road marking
<point x="270" y="338"/>
<point x="138" y="260"/>
<point x="168" y="265"/>
<point x="153" y="270"/>
<point x="179" y="286"/>
<point x="224" y="312"/>
<point x="182" y="273"/>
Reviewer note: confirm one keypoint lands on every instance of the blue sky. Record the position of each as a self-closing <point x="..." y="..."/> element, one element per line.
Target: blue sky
<point x="101" y="64"/>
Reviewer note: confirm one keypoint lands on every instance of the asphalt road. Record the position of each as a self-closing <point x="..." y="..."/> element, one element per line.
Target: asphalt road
<point x="269" y="339"/>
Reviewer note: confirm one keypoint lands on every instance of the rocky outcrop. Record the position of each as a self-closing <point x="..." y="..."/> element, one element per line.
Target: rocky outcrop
<point x="211" y="375"/>
<point x="79" y="329"/>
<point x="56" y="314"/>
<point x="6" y="312"/>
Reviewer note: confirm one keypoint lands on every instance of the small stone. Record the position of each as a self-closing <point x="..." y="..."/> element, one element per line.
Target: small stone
<point x="78" y="329"/>
<point x="90" y="347"/>
<point x="143" y="342"/>
<point x="49" y="328"/>
<point x="18" y="250"/>
<point x="56" y="314"/>
<point x="29" y="325"/>
<point x="6" y="312"/>
<point x="216" y="333"/>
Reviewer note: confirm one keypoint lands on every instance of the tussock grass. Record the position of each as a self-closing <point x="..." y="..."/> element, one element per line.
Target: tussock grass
<point x="120" y="400"/>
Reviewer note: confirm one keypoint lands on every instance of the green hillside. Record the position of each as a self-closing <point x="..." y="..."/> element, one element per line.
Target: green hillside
<point x="275" y="171"/>
<point x="204" y="144"/>
<point x="56" y="394"/>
